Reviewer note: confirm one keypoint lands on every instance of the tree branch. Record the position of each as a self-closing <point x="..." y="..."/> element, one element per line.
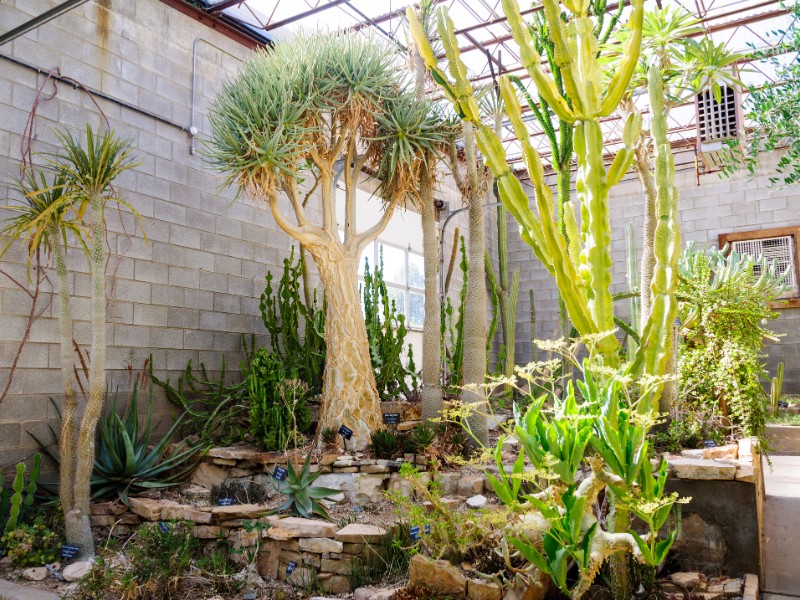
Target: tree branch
<point x="361" y="240"/>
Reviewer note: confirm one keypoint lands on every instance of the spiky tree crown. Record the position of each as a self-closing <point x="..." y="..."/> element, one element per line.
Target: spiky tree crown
<point x="316" y="96"/>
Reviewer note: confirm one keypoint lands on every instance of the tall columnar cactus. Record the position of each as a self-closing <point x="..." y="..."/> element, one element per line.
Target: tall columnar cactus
<point x="579" y="260"/>
<point x="17" y="502"/>
<point x="505" y="294"/>
<point x="632" y="277"/>
<point x="657" y="344"/>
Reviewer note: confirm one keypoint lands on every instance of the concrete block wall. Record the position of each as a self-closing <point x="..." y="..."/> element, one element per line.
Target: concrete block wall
<point x="193" y="287"/>
<point x="718" y="205"/>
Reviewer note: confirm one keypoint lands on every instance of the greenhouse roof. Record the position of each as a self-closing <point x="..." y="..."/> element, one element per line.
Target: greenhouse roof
<point x="486" y="45"/>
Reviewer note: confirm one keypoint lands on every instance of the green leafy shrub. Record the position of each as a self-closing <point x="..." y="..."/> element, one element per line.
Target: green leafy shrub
<point x="386" y="443"/>
<point x="214" y="411"/>
<point x="31" y="545"/>
<point x="278" y="411"/>
<point x="330" y="436"/>
<point x="296" y="323"/>
<point x="163" y="561"/>
<point x="423" y="436"/>
<point x="125" y="462"/>
<point x="724" y="301"/>
<point x="16" y="503"/>
<point x="386" y="332"/>
<point x="302" y="498"/>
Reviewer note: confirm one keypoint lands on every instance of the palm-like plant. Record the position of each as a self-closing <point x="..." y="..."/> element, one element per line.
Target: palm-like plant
<point x="42" y="222"/>
<point x="291" y="115"/>
<point x="89" y="173"/>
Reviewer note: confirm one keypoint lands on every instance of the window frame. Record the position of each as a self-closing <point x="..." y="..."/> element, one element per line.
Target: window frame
<point x="406" y="288"/>
<point x="790" y="301"/>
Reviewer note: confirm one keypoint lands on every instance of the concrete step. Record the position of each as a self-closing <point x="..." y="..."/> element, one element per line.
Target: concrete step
<point x="784" y="439"/>
<point x="13" y="591"/>
<point x="782" y="525"/>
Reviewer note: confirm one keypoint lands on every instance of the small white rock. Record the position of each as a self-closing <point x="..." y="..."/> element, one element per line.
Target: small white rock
<point x="77" y="570"/>
<point x="35" y="573"/>
<point x="478" y="501"/>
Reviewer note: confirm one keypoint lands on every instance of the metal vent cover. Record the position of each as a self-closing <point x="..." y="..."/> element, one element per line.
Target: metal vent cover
<point x="780" y="249"/>
<point x="717" y="121"/>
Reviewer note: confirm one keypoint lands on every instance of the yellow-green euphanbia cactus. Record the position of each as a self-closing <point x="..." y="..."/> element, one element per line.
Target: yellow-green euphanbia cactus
<point x="582" y="268"/>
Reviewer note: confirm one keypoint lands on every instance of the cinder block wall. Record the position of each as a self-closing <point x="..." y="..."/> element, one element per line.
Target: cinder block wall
<point x="716" y="206"/>
<point x="193" y="289"/>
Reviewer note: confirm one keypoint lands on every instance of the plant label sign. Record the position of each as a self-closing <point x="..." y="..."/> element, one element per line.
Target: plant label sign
<point x="164" y="527"/>
<point x="709" y="443"/>
<point x="415" y="533"/>
<point x="280" y="473"/>
<point x="226" y="502"/>
<point x="345" y="432"/>
<point x="391" y="418"/>
<point x="291" y="567"/>
<point x="69" y="551"/>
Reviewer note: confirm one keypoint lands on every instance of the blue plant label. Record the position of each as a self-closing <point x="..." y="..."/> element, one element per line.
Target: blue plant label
<point x="709" y="443"/>
<point x="415" y="532"/>
<point x="164" y="527"/>
<point x="391" y="418"/>
<point x="226" y="502"/>
<point x="678" y="322"/>
<point x="345" y="432"/>
<point x="291" y="567"/>
<point x="783" y="404"/>
<point x="69" y="551"/>
<point x="280" y="473"/>
<point x="249" y="596"/>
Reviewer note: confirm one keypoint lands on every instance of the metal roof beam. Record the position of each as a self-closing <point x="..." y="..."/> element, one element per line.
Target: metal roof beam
<point x="303" y="15"/>
<point x="43" y="18"/>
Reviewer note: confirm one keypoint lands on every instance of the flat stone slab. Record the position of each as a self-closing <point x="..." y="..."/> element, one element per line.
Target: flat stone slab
<point x="702" y="468"/>
<point x="357" y="533"/>
<point x="239" y="511"/>
<point x="13" y="591"/>
<point x="303" y="528"/>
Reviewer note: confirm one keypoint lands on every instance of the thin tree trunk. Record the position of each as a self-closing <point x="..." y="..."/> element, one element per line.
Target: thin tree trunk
<point x="350" y="396"/>
<point x="475" y="309"/>
<point x="431" y="335"/>
<point x="69" y="417"/>
<point x="431" y="339"/>
<point x="79" y="515"/>
<point x="641" y="164"/>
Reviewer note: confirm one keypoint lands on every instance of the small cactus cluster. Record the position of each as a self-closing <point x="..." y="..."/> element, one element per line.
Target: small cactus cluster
<point x="16" y="503"/>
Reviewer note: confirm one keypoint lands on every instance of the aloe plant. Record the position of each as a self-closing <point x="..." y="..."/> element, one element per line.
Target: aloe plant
<point x="302" y="498"/>
<point x="126" y="464"/>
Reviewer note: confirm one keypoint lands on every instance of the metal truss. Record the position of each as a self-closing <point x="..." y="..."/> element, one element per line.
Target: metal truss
<point x="487" y="46"/>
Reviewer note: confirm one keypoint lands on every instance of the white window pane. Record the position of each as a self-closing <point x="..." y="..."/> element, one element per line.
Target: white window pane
<point x="398" y="297"/>
<point x="416" y="270"/>
<point x="394" y="265"/>
<point x="416" y="310"/>
<point x="367" y="255"/>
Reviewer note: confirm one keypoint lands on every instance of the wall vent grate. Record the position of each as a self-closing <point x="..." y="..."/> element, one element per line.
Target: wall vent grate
<point x="717" y="120"/>
<point x="778" y="249"/>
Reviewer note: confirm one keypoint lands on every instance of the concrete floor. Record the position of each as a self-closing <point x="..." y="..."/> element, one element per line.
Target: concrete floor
<point x="782" y="528"/>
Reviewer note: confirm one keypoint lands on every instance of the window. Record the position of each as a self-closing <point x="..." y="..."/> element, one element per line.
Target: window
<point x="404" y="273"/>
<point x="778" y="245"/>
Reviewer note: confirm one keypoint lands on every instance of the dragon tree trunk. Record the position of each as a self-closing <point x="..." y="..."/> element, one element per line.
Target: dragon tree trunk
<point x="348" y="387"/>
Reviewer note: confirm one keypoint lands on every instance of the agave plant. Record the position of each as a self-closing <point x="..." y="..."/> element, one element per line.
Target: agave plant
<point x="302" y="498"/>
<point x="126" y="464"/>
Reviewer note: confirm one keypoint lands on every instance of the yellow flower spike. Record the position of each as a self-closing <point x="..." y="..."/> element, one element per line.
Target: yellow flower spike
<point x="619" y="83"/>
<point x="624" y="157"/>
<point x="532" y="62"/>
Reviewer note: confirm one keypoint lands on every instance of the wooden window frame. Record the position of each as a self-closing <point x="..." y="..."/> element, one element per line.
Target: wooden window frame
<point x="794" y="232"/>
